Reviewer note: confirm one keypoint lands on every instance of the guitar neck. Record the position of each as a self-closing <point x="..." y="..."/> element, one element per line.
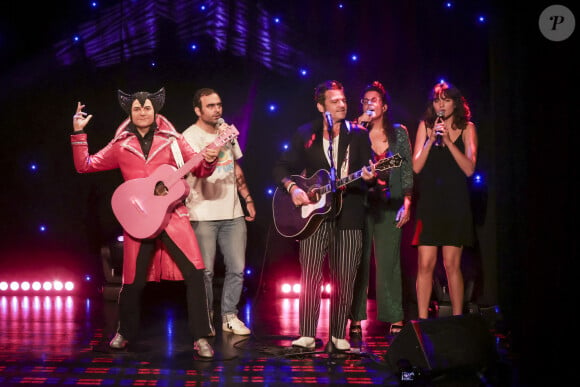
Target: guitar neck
<point x="186" y="167"/>
<point x="342" y="182"/>
<point x="384" y="164"/>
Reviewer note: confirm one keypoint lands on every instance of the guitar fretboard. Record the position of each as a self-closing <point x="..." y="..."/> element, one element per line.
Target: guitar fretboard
<point x="388" y="163"/>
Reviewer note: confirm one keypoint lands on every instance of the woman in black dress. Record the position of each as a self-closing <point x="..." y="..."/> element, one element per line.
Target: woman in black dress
<point x="444" y="157"/>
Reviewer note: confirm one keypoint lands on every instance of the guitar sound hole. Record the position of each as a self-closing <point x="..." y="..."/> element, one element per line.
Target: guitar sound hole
<point x="160" y="189"/>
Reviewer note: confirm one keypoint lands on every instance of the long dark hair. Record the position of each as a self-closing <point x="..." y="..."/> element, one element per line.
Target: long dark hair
<point x="462" y="112"/>
<point x="388" y="127"/>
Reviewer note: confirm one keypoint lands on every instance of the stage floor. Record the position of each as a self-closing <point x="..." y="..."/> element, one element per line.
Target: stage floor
<point x="62" y="340"/>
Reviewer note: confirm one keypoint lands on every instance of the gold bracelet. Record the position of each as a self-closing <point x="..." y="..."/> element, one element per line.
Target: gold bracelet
<point x="289" y="188"/>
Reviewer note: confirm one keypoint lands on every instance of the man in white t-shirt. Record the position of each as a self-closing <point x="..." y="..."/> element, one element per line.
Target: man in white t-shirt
<point x="215" y="211"/>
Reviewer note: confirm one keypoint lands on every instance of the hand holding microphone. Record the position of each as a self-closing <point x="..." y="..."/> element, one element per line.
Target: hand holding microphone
<point x="218" y="126"/>
<point x="365" y="122"/>
<point x="438" y="128"/>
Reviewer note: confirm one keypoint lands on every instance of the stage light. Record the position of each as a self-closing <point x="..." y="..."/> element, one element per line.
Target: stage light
<point x="36" y="286"/>
<point x="14" y="285"/>
<point x="47" y="285"/>
<point x="3" y="285"/>
<point x="25" y="286"/>
<point x="69" y="285"/>
<point x="287" y="289"/>
<point x="57" y="285"/>
<point x="296" y="288"/>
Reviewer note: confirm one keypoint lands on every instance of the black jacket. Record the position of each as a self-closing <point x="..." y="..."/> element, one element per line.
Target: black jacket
<point x="306" y="157"/>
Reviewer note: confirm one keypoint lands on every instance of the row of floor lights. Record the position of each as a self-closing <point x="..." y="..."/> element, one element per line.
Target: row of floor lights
<point x="290" y="290"/>
<point x="36" y="286"/>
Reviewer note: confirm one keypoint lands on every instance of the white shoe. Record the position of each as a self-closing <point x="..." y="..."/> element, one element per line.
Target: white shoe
<point x="233" y="324"/>
<point x="340" y="344"/>
<point x="203" y="348"/>
<point x="305" y="342"/>
<point x="118" y="342"/>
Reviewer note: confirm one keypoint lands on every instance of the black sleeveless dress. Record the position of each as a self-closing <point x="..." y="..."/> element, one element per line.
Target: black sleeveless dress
<point x="443" y="212"/>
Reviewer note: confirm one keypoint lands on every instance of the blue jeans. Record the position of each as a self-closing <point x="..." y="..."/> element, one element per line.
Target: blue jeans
<point x="231" y="235"/>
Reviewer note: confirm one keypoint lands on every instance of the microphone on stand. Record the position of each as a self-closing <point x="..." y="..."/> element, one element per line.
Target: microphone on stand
<point x="438" y="137"/>
<point x="329" y="120"/>
<point x="221" y="122"/>
<point x="369" y="113"/>
<point x="330" y="152"/>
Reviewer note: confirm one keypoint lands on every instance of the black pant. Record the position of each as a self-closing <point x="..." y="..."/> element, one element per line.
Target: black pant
<point x="199" y="320"/>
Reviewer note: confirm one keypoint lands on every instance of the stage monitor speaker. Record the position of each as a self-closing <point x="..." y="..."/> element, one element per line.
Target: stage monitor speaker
<point x="443" y="343"/>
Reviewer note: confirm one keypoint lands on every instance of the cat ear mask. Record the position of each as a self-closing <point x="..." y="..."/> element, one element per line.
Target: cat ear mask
<point x="126" y="100"/>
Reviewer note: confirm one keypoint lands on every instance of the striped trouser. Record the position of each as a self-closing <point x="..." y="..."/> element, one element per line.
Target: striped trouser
<point x="344" y="249"/>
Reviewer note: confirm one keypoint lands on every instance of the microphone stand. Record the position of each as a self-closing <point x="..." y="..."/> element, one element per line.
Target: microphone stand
<point x="329" y="349"/>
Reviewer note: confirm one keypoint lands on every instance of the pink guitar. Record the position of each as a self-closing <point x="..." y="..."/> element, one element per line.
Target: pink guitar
<point x="141" y="205"/>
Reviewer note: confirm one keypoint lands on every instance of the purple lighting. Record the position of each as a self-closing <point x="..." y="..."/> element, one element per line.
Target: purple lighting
<point x="129" y="30"/>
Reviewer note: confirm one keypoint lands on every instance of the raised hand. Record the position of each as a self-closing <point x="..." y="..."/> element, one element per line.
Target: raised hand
<point x="80" y="119"/>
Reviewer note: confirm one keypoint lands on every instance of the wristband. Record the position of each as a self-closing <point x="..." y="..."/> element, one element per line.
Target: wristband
<point x="289" y="188"/>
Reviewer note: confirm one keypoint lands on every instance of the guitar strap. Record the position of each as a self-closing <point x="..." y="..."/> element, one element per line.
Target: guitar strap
<point x="176" y="153"/>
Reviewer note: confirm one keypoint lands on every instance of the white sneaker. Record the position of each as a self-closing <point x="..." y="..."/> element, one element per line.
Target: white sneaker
<point x="305" y="342"/>
<point x="233" y="324"/>
<point x="340" y="344"/>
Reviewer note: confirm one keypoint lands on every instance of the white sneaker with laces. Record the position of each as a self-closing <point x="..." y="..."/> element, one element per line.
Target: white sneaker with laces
<point x="231" y="323"/>
<point x="305" y="342"/>
<point x="340" y="344"/>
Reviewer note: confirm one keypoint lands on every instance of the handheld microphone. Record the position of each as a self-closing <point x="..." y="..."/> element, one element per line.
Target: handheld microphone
<point x="369" y="113"/>
<point x="221" y="122"/>
<point x="438" y="137"/>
